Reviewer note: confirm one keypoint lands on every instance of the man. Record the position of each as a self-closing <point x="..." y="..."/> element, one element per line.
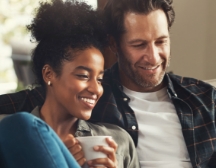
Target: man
<point x="170" y="118"/>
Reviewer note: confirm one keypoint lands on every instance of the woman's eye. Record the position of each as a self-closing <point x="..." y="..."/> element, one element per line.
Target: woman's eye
<point x="100" y="80"/>
<point x="83" y="76"/>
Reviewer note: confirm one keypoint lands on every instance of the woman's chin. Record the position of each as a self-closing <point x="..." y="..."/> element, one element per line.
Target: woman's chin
<point x="86" y="117"/>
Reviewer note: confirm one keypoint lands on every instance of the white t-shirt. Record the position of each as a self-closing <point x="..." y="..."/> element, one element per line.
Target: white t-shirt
<point x="161" y="143"/>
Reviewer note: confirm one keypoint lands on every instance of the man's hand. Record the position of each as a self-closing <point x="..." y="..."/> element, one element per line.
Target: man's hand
<point x="75" y="149"/>
<point x="110" y="161"/>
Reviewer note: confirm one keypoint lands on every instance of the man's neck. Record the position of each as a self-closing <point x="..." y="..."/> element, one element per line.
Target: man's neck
<point x="130" y="84"/>
<point x="147" y="89"/>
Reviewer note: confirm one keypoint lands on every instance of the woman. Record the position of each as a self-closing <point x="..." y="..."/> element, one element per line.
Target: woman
<point x="68" y="62"/>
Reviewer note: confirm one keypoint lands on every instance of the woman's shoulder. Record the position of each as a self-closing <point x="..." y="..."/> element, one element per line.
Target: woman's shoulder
<point x="117" y="133"/>
<point x="105" y="127"/>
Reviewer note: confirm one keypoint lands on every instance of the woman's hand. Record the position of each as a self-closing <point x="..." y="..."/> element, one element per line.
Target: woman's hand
<point x="75" y="149"/>
<point x="110" y="161"/>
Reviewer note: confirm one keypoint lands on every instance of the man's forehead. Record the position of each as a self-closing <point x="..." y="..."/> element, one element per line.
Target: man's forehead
<point x="140" y="20"/>
<point x="145" y="27"/>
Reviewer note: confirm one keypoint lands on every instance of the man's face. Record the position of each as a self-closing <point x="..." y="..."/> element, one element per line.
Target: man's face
<point x="144" y="51"/>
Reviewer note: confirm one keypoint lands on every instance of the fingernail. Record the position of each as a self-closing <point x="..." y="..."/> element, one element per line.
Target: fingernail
<point x="96" y="147"/>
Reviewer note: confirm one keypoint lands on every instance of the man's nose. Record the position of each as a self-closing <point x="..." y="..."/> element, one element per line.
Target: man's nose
<point x="152" y="54"/>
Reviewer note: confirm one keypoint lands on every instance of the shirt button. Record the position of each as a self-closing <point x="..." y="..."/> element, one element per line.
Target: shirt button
<point x="125" y="99"/>
<point x="133" y="127"/>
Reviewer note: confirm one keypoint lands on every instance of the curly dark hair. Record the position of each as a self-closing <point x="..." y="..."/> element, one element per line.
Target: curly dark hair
<point x="115" y="10"/>
<point x="61" y="26"/>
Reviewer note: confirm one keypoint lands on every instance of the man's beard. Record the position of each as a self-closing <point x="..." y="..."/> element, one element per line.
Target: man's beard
<point x="151" y="82"/>
<point x="143" y="81"/>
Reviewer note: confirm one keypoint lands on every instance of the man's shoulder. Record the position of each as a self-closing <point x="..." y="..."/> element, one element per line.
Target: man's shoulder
<point x="183" y="85"/>
<point x="23" y="100"/>
<point x="107" y="76"/>
<point x="188" y="81"/>
<point x="111" y="75"/>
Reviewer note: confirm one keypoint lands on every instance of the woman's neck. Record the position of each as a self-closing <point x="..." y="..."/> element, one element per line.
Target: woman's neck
<point x="60" y="121"/>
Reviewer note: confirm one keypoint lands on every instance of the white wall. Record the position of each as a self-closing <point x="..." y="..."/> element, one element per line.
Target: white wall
<point x="93" y="3"/>
<point x="210" y="57"/>
<point x="193" y="39"/>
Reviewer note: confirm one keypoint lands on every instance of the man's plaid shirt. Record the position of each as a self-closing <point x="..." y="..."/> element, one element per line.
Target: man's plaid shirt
<point x="194" y="100"/>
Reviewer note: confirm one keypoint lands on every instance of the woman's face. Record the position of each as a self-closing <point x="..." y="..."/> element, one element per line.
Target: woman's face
<point x="78" y="88"/>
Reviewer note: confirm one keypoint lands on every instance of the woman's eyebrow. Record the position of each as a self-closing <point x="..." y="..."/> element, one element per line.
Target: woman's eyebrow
<point x="87" y="69"/>
<point x="83" y="68"/>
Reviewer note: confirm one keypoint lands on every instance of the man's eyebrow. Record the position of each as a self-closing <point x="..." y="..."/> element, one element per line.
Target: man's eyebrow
<point x="145" y="41"/>
<point x="87" y="69"/>
<point x="162" y="37"/>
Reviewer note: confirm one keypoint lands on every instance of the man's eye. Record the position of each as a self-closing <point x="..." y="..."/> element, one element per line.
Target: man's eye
<point x="138" y="45"/>
<point x="161" y="42"/>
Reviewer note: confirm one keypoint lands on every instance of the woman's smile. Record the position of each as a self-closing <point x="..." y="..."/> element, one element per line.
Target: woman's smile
<point x="89" y="102"/>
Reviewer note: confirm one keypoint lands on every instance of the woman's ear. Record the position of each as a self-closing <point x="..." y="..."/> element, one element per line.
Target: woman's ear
<point x="48" y="74"/>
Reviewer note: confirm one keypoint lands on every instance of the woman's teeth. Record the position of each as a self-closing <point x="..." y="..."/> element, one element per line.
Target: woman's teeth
<point x="91" y="101"/>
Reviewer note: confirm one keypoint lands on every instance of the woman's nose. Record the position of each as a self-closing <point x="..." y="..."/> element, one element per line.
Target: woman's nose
<point x="95" y="87"/>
